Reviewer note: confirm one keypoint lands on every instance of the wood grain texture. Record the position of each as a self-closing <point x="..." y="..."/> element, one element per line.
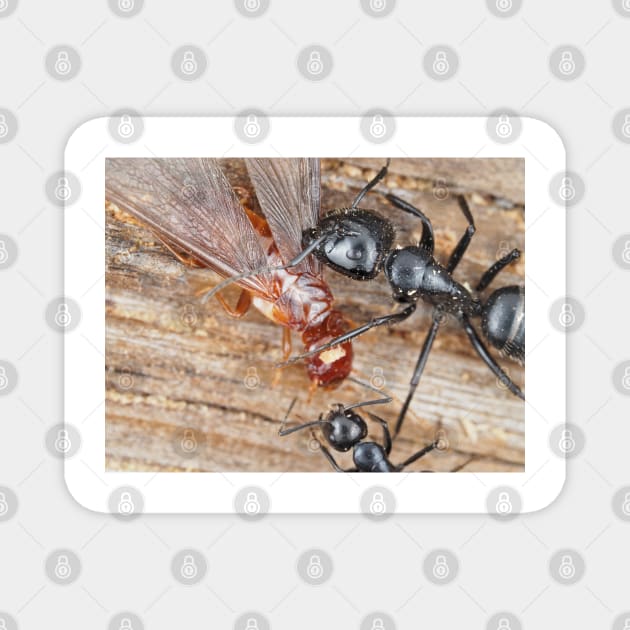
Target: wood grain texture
<point x="178" y="370"/>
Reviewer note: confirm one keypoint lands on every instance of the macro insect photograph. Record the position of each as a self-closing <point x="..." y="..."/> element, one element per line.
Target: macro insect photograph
<point x="315" y="314"/>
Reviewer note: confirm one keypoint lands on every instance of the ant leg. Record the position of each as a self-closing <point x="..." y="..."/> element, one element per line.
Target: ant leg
<point x="464" y="241"/>
<point x="387" y="436"/>
<point x="427" y="240"/>
<point x="378" y="321"/>
<point x="375" y="180"/>
<point x="482" y="351"/>
<point x="492" y="271"/>
<point x="417" y="373"/>
<point x="331" y="459"/>
<point x="416" y="456"/>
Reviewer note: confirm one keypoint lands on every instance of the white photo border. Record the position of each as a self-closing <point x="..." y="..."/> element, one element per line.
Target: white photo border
<point x="179" y="492"/>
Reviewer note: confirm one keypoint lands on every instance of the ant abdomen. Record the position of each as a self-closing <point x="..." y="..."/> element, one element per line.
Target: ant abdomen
<point x="503" y="321"/>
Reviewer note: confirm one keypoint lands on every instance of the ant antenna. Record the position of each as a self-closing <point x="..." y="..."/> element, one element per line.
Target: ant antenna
<point x="380" y="175"/>
<point x="266" y="269"/>
<point x="375" y="401"/>
<point x="282" y="431"/>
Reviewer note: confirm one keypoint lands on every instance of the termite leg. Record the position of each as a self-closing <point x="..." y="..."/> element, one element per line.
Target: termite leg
<point x="242" y="306"/>
<point x="286" y="343"/>
<point x="185" y="259"/>
<point x="286" y="353"/>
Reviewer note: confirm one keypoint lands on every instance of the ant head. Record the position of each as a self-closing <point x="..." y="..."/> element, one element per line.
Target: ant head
<point x="356" y="242"/>
<point x="343" y="428"/>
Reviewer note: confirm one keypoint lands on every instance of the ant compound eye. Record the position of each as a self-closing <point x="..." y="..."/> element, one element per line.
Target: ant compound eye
<point x="355" y="253"/>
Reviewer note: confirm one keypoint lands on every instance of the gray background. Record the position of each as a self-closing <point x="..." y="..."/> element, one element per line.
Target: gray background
<point x="378" y="63"/>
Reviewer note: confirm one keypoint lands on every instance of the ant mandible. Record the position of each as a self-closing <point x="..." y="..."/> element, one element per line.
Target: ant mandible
<point x="344" y="429"/>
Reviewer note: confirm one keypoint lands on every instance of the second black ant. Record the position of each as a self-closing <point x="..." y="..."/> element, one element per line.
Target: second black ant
<point x="344" y="429"/>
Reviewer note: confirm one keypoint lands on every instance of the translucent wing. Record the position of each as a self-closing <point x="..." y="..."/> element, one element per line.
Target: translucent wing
<point x="288" y="191"/>
<point x="190" y="204"/>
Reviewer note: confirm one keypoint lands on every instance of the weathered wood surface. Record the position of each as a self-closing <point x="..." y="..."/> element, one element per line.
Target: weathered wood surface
<point x="177" y="369"/>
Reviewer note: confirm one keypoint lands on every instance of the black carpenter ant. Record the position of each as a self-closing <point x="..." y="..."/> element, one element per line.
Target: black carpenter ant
<point x="357" y="243"/>
<point x="343" y="429"/>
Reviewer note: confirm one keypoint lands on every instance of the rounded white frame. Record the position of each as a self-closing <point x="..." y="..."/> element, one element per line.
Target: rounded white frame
<point x="178" y="492"/>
